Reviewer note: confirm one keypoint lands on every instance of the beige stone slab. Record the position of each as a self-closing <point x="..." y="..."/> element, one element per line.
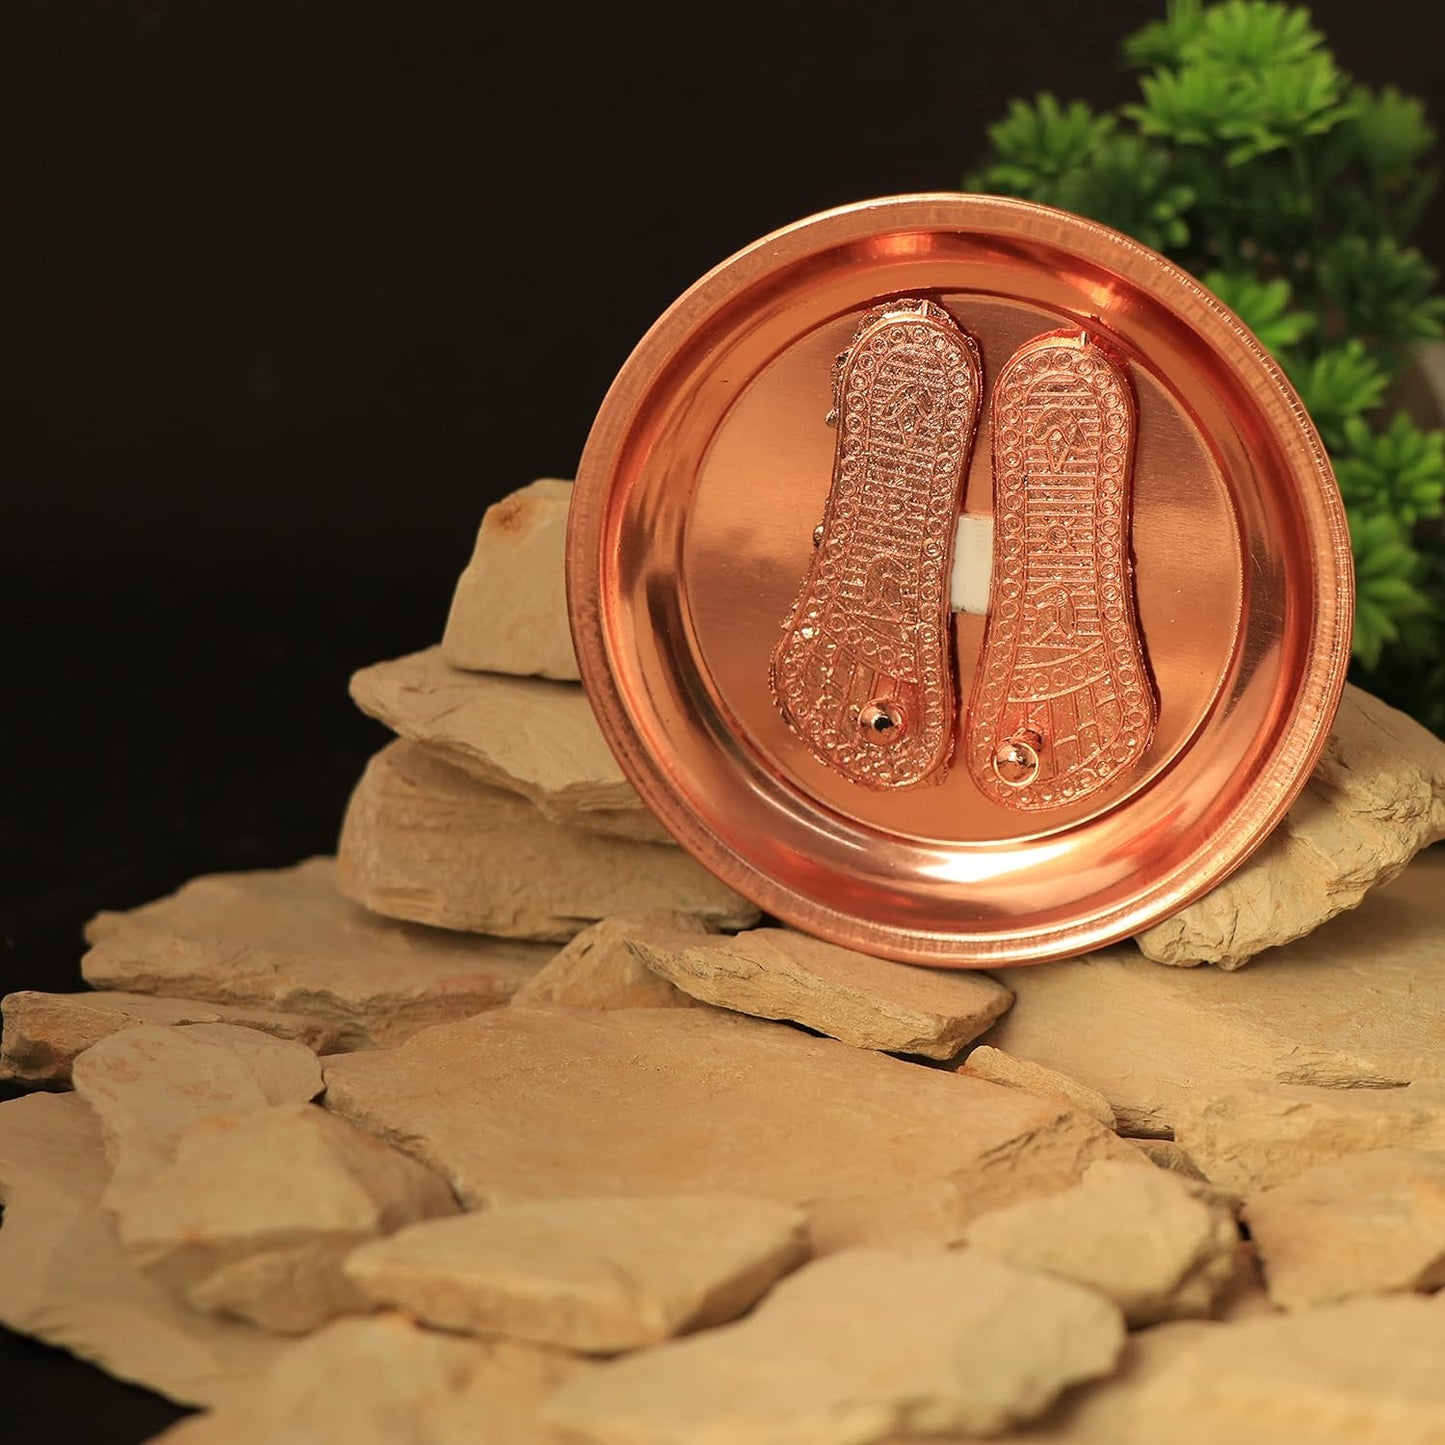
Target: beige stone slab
<point x="386" y="1381"/>
<point x="45" y="1031"/>
<point x="1246" y="1297"/>
<point x="1359" y="1002"/>
<point x="1363" y="1224"/>
<point x="1166" y="1154"/>
<point x="1252" y="1139"/>
<point x="257" y="1212"/>
<point x="598" y="969"/>
<point x="65" y="1279"/>
<point x="1366" y="1372"/>
<point x="524" y="1104"/>
<point x="779" y="973"/>
<point x="853" y="1348"/>
<point x="286" y="939"/>
<point x="1099" y="1412"/>
<point x="536" y="738"/>
<point x="509" y="613"/>
<point x="150" y="1084"/>
<point x="423" y="841"/>
<point x="1376" y="797"/>
<point x="1139" y="1235"/>
<point x="599" y="1275"/>
<point x="987" y="1062"/>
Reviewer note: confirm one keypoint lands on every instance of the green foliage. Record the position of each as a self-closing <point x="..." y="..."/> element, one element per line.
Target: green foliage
<point x="1338" y="386"/>
<point x="1399" y="471"/>
<point x="1127" y="183"/>
<point x="1384" y="288"/>
<point x="1037" y="144"/>
<point x="1161" y="43"/>
<point x="1247" y="77"/>
<point x="1387" y="569"/>
<point x="1253" y="159"/>
<point x="1263" y="306"/>
<point x="1390" y="133"/>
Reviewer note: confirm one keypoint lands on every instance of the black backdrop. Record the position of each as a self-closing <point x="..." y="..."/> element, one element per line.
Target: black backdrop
<point x="292" y="291"/>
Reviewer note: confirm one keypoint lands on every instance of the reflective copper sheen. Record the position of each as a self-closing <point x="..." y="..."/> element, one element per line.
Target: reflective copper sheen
<point x="1062" y="701"/>
<point x="863" y="673"/>
<point x="705" y="478"/>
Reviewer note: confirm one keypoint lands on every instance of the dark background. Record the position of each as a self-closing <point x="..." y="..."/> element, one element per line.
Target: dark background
<point x="293" y="291"/>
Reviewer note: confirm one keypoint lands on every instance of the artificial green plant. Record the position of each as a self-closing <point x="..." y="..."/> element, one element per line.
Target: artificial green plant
<point x="1254" y="160"/>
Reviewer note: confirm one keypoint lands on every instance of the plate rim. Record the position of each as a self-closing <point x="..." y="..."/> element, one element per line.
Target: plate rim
<point x="1315" y="698"/>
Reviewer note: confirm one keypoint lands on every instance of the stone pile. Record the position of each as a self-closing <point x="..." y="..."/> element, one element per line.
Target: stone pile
<point x="513" y="1124"/>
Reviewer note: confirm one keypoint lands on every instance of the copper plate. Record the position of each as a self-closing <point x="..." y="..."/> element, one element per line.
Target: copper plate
<point x="1210" y="574"/>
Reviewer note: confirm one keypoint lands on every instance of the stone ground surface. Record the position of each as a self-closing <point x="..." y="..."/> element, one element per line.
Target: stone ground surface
<point x="44" y="1032"/>
<point x="855" y="1347"/>
<point x="535" y="738"/>
<point x="779" y="973"/>
<point x="509" y="613"/>
<point x="978" y="1245"/>
<point x="600" y="1275"/>
<point x="1256" y="1138"/>
<point x="287" y="939"/>
<point x="1140" y="1236"/>
<point x="1362" y="1224"/>
<point x="601" y="967"/>
<point x="1375" y="798"/>
<point x="672" y="1101"/>
<point x="150" y="1084"/>
<point x="1003" y="1164"/>
<point x="257" y="1212"/>
<point x="1359" y="1004"/>
<point x="425" y="842"/>
<point x="1366" y="1372"/>
<point x="988" y="1062"/>
<point x="385" y="1381"/>
<point x="65" y="1278"/>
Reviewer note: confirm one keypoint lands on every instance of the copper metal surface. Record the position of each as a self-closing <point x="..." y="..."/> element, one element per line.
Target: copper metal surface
<point x="863" y="672"/>
<point x="696" y="505"/>
<point x="1062" y="702"/>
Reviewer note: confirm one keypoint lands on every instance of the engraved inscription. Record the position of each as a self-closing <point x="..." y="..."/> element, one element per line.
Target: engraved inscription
<point x="863" y="671"/>
<point x="1062" y="701"/>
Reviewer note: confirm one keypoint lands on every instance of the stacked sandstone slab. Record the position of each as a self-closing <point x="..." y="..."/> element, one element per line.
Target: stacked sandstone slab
<point x="510" y="1123"/>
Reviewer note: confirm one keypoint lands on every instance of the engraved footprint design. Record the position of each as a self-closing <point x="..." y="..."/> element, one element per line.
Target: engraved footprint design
<point x="863" y="670"/>
<point x="1062" y="701"/>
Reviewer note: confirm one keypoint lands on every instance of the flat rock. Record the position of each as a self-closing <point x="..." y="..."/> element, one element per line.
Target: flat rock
<point x="426" y="842"/>
<point x="596" y="1275"/>
<point x="854" y="1347"/>
<point x="65" y="1279"/>
<point x="598" y="969"/>
<point x="509" y="613"/>
<point x="1139" y="1235"/>
<point x="45" y="1031"/>
<point x="150" y="1084"/>
<point x="1166" y="1154"/>
<point x="1376" y="797"/>
<point x="539" y="739"/>
<point x="1252" y="1139"/>
<point x="987" y="1062"/>
<point x="1366" y="1372"/>
<point x="526" y="1104"/>
<point x="777" y="973"/>
<point x="386" y="1381"/>
<point x="257" y="1212"/>
<point x="286" y="939"/>
<point x="1099" y="1412"/>
<point x="1358" y="1003"/>
<point x="1364" y="1224"/>
<point x="1246" y="1297"/>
